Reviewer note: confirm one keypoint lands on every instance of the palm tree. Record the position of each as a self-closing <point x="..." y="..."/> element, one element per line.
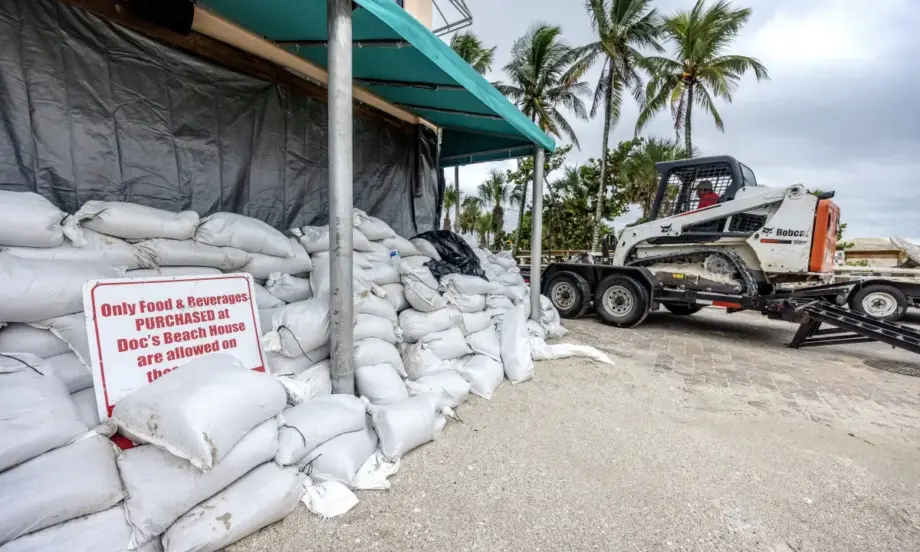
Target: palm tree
<point x="702" y="68"/>
<point x="544" y="76"/>
<point x="472" y="208"/>
<point x="451" y="201"/>
<point x="639" y="174"/>
<point x="495" y="192"/>
<point x="468" y="46"/>
<point x="622" y="27"/>
<point x="483" y="228"/>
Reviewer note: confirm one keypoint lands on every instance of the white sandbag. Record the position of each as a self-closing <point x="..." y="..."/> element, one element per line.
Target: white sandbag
<point x="307" y="426"/>
<point x="264" y="299"/>
<point x="378" y="253"/>
<point x="131" y="221"/>
<point x="299" y="328"/>
<point x="426" y="248"/>
<point x="550" y="319"/>
<point x="164" y="252"/>
<point x="23" y="338"/>
<point x="71" y="371"/>
<point x="281" y="365"/>
<point x="466" y="303"/>
<point x="419" y="361"/>
<point x="535" y="329"/>
<point x="263" y="496"/>
<point x="288" y="288"/>
<point x="415" y="324"/>
<point x="382" y="274"/>
<point x="368" y="326"/>
<point x="417" y="274"/>
<point x="486" y="342"/>
<point x="340" y="458"/>
<point x="510" y="279"/>
<point x="71" y="329"/>
<point x="472" y="322"/>
<point x="396" y="295"/>
<point x="407" y="424"/>
<point x="401" y="244"/>
<point x="484" y="374"/>
<point x="447" y="344"/>
<point x="29" y="220"/>
<point x="450" y="385"/>
<point x="63" y="484"/>
<point x="202" y="410"/>
<point x="262" y="266"/>
<point x="516" y="355"/>
<point x="313" y="382"/>
<point x="105" y="531"/>
<point x="36" y="290"/>
<point x="316" y="239"/>
<point x="321" y="285"/>
<point x="36" y="412"/>
<point x="97" y="248"/>
<point x="85" y="403"/>
<point x="376" y="351"/>
<point x="162" y="487"/>
<point x="498" y="303"/>
<point x="505" y="259"/>
<point x="515" y="293"/>
<point x="173" y="271"/>
<point x="242" y="232"/>
<point x="266" y="316"/>
<point x="373" y="474"/>
<point x="380" y="384"/>
<point x="541" y="351"/>
<point x="329" y="499"/>
<point x="372" y="227"/>
<point x="370" y="304"/>
<point x="415" y="262"/>
<point x="423" y="298"/>
<point x="468" y="285"/>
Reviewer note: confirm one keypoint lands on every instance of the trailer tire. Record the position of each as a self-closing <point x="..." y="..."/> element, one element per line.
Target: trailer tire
<point x="621" y="301"/>
<point x="682" y="309"/>
<point x="569" y="293"/>
<point x="879" y="301"/>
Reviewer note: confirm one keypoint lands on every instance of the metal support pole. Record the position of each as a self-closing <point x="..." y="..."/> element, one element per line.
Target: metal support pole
<point x="536" y="234"/>
<point x="340" y="197"/>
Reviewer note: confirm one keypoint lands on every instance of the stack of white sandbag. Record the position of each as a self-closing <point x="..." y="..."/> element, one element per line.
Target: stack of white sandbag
<point x="53" y="472"/>
<point x="205" y="474"/>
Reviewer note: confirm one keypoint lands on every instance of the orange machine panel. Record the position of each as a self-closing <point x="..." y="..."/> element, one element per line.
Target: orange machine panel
<point x="824" y="238"/>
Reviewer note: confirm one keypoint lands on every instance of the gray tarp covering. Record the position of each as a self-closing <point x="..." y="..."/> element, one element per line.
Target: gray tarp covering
<point x="90" y="110"/>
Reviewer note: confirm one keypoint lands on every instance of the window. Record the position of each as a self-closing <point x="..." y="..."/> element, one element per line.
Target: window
<point x="687" y="187"/>
<point x="747" y="176"/>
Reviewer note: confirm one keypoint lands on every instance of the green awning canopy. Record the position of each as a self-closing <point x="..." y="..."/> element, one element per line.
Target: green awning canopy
<point x="401" y="61"/>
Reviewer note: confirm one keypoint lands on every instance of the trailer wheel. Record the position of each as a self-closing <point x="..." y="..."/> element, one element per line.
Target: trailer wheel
<point x="681" y="309"/>
<point x="621" y="301"/>
<point x="569" y="293"/>
<point x="880" y="302"/>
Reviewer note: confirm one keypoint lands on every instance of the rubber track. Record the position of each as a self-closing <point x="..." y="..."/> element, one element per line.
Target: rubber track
<point x="735" y="260"/>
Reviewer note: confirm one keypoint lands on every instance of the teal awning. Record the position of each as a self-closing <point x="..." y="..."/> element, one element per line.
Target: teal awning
<point x="401" y="61"/>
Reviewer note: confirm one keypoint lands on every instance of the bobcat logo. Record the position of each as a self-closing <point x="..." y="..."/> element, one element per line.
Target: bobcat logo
<point x="767" y="230"/>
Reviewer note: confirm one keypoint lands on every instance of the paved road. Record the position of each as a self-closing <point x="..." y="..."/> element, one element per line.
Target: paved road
<point x="708" y="434"/>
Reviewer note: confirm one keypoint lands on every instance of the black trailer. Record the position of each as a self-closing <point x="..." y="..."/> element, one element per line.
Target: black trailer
<point x="623" y="296"/>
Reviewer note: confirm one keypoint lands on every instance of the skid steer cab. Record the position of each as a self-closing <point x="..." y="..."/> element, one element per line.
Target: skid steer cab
<point x="713" y="236"/>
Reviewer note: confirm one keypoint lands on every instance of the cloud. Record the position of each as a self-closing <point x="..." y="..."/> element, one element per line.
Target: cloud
<point x="839" y="112"/>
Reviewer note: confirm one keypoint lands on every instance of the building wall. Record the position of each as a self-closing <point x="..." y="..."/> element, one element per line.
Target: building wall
<point x="421" y="9"/>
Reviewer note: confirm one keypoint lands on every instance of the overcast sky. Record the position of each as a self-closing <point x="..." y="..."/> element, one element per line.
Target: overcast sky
<point x="839" y="113"/>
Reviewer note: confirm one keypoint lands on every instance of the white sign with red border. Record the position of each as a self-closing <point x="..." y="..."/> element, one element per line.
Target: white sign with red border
<point x="142" y="328"/>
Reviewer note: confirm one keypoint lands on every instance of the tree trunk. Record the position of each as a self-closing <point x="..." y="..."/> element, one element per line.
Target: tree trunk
<point x="687" y="128"/>
<point x="520" y="225"/>
<point x="599" y="211"/>
<point x="457" y="206"/>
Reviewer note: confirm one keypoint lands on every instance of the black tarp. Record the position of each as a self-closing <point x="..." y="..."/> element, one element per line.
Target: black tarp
<point x="90" y="110"/>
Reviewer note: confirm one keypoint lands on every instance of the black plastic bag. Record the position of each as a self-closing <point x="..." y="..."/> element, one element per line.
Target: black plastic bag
<point x="456" y="256"/>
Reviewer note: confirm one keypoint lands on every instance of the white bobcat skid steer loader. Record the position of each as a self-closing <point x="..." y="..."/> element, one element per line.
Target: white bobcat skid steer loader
<point x="715" y="235"/>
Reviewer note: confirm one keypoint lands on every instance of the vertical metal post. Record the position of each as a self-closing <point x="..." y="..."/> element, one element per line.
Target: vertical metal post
<point x="536" y="234"/>
<point x="340" y="196"/>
